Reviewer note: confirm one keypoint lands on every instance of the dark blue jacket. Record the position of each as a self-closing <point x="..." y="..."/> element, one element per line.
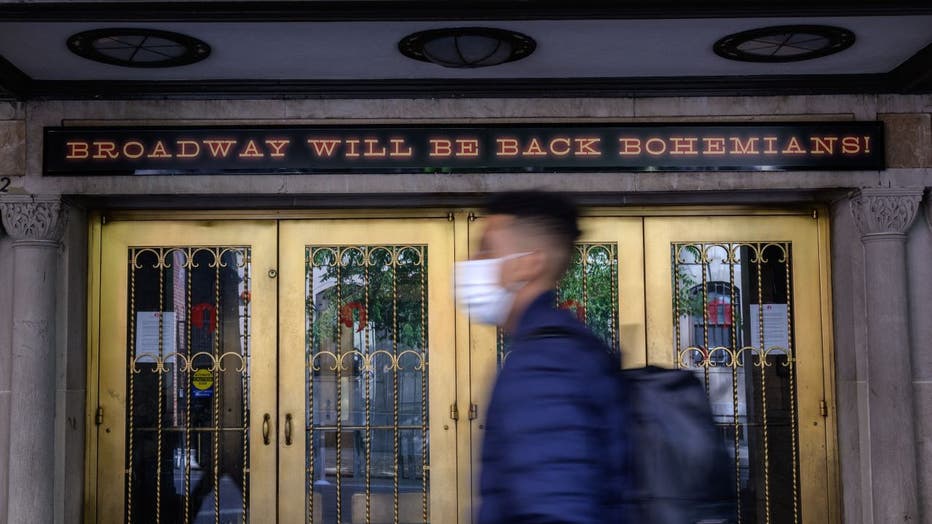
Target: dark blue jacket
<point x="554" y="448"/>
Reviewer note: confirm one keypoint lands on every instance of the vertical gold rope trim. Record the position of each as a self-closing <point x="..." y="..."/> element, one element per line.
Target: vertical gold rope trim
<point x="310" y="319"/>
<point x="425" y="464"/>
<point x="584" y="267"/>
<point x="762" y="362"/>
<point x="366" y="370"/>
<point x="706" y="261"/>
<point x="132" y="385"/>
<point x="189" y="269"/>
<point x="216" y="401"/>
<point x="677" y="342"/>
<point x="395" y="441"/>
<point x="339" y="406"/>
<point x="247" y="414"/>
<point x="791" y="363"/>
<point x="734" y="257"/>
<point x="613" y="321"/>
<point x="158" y="369"/>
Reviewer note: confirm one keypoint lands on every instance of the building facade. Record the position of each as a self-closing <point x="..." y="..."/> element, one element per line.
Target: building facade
<point x="272" y="345"/>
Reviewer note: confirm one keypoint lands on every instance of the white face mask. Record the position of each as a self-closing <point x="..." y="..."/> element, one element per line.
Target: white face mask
<point x="479" y="290"/>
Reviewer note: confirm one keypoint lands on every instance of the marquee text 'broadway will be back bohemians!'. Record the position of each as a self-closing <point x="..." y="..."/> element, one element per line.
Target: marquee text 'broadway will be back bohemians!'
<point x="101" y="151"/>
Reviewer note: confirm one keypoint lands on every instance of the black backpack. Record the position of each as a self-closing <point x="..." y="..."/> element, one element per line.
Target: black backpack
<point x="683" y="473"/>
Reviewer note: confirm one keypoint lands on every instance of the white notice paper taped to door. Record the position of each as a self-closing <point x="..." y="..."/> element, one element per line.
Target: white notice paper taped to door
<point x="776" y="332"/>
<point x="147" y="332"/>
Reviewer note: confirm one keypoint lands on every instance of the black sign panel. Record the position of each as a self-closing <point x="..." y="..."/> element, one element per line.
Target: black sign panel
<point x="467" y="148"/>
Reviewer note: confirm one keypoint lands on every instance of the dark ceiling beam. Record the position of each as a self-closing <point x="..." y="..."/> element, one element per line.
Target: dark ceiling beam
<point x="13" y="81"/>
<point x="431" y="88"/>
<point x="438" y="10"/>
<point x="915" y="74"/>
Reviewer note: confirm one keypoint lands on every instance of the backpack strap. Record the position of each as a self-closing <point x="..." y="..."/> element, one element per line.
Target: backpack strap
<point x="548" y="332"/>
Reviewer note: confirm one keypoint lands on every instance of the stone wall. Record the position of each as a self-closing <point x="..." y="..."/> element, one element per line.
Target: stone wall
<point x="909" y="155"/>
<point x="12" y="163"/>
<point x="909" y="158"/>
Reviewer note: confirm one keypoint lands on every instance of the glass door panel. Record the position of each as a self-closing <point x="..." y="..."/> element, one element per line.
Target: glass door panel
<point x="737" y="301"/>
<point x="367" y="372"/>
<point x="187" y="357"/>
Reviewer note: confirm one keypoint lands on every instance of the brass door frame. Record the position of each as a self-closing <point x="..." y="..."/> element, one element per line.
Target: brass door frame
<point x="468" y="383"/>
<point x="107" y="254"/>
<point x="810" y="314"/>
<point x="437" y="235"/>
<point x="106" y="441"/>
<point x="650" y="345"/>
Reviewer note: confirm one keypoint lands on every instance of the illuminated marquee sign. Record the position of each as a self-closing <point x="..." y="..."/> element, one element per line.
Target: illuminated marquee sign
<point x="406" y="149"/>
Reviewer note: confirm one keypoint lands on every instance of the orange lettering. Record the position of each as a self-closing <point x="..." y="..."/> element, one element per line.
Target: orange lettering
<point x="184" y="151"/>
<point x="371" y="150"/>
<point x="159" y="151"/>
<point x="440" y="147"/>
<point x="714" y="146"/>
<point x="251" y="151"/>
<point x="277" y="147"/>
<point x="468" y="147"/>
<point x="655" y="150"/>
<point x="219" y="148"/>
<point x="770" y="141"/>
<point x="323" y="147"/>
<point x="630" y="146"/>
<point x="352" y="147"/>
<point x="585" y="147"/>
<point x="137" y="145"/>
<point x="747" y="148"/>
<point x="396" y="148"/>
<point x="793" y="147"/>
<point x="76" y="150"/>
<point x="534" y="149"/>
<point x="683" y="145"/>
<point x="563" y="151"/>
<point x="507" y="146"/>
<point x="823" y="145"/>
<point x="105" y="150"/>
<point x="850" y="145"/>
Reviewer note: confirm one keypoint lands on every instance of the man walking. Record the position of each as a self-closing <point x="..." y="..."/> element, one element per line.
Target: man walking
<point x="554" y="448"/>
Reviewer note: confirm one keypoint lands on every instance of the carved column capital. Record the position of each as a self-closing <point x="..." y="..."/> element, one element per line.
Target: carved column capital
<point x="33" y="218"/>
<point x="884" y="212"/>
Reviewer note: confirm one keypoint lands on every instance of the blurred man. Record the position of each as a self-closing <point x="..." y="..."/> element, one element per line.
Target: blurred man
<point x="554" y="448"/>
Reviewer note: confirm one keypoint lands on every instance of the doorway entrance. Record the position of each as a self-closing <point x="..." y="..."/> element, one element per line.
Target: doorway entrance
<point x="260" y="368"/>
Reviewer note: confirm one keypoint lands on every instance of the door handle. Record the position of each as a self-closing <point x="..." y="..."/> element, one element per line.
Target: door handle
<point x="288" y="429"/>
<point x="266" y="428"/>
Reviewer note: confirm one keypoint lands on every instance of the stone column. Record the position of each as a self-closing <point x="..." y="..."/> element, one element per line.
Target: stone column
<point x="883" y="216"/>
<point x="920" y="303"/>
<point x="35" y="224"/>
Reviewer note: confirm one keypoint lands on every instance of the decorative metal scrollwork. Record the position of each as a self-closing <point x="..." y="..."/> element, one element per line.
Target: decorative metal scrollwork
<point x="366" y="256"/>
<point x="186" y="363"/>
<point x="711" y="281"/>
<point x="163" y="256"/>
<point x="367" y="359"/>
<point x="735" y="358"/>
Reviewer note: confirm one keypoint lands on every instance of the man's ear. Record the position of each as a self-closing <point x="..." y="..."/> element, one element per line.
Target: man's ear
<point x="528" y="268"/>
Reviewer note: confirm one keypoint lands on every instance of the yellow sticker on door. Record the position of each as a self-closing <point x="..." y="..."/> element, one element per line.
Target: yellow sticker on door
<point x="203" y="382"/>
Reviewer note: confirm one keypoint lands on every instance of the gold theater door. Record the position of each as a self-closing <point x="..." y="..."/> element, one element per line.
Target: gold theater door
<point x="741" y="300"/>
<point x="263" y="371"/>
<point x="316" y="370"/>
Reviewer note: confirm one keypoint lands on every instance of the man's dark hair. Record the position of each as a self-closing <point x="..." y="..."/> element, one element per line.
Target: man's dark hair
<point x="551" y="212"/>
